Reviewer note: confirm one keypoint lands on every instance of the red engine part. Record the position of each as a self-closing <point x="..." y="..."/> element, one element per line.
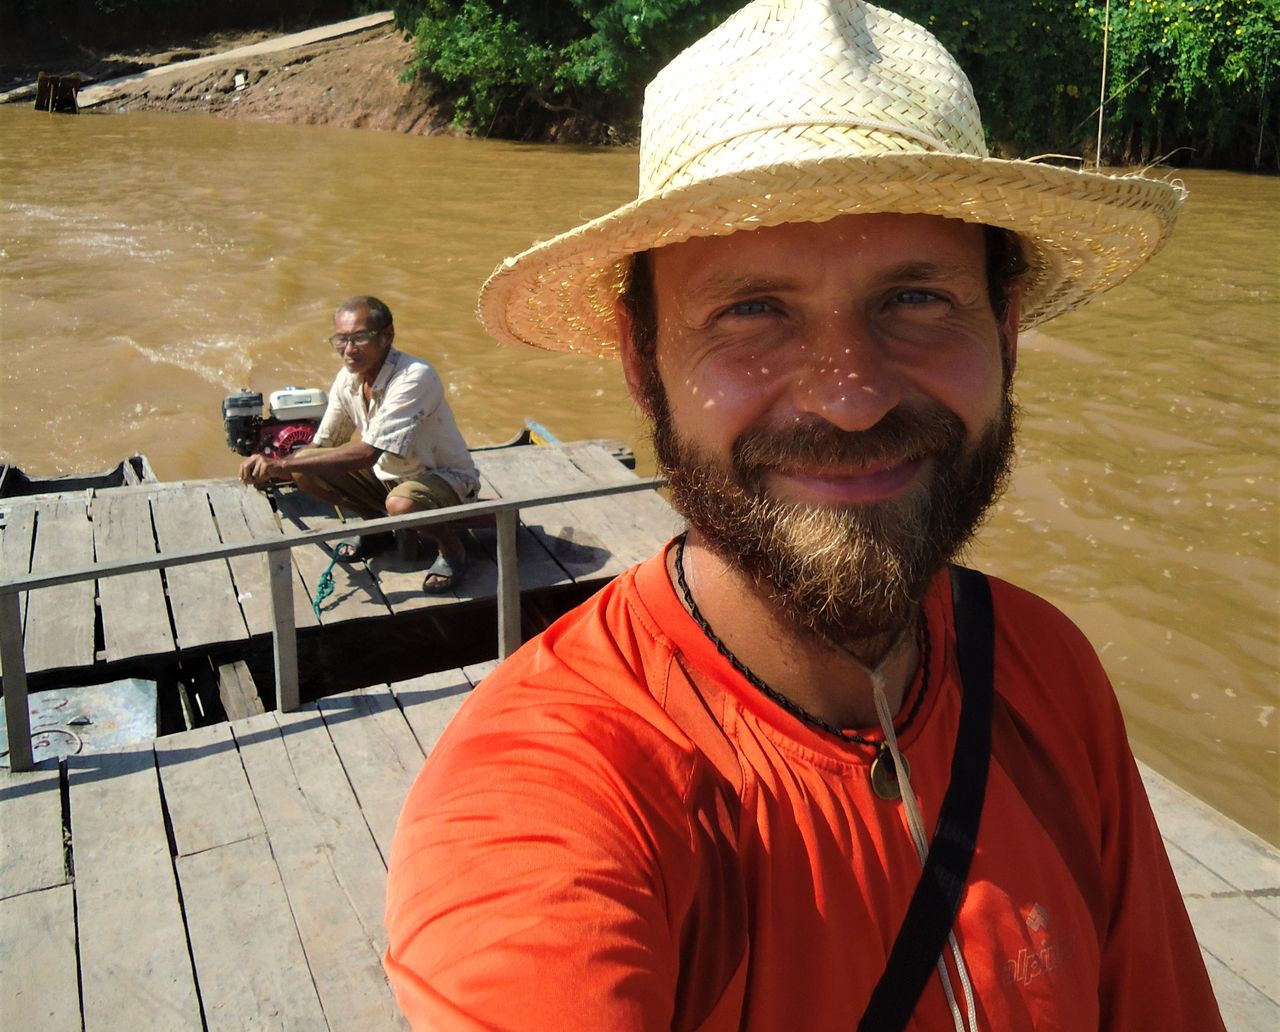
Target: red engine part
<point x="279" y="439"/>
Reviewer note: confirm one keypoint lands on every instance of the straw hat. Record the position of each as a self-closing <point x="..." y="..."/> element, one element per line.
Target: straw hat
<point x="803" y="110"/>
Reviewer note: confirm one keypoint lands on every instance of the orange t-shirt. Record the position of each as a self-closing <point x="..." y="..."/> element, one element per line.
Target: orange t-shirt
<point x="619" y="832"/>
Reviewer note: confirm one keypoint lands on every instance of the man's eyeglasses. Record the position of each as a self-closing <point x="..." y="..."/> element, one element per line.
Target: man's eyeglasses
<point x="341" y="341"/>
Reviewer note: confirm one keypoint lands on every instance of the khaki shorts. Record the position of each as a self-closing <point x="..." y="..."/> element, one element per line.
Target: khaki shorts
<point x="365" y="491"/>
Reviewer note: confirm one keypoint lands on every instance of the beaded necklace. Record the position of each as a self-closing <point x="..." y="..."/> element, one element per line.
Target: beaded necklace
<point x="884" y="779"/>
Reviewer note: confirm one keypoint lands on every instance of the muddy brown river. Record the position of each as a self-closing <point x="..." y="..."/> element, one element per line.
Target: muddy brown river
<point x="149" y="265"/>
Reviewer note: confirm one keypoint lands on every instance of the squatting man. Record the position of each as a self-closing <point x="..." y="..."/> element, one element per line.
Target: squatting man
<point x="410" y="456"/>
<point x="704" y="798"/>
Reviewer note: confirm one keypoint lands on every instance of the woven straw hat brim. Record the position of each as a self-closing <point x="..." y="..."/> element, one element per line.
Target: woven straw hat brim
<point x="1083" y="232"/>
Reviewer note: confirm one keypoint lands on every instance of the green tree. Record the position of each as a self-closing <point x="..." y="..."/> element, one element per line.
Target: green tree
<point x="504" y="62"/>
<point x="1033" y="69"/>
<point x="1190" y="74"/>
<point x="1188" y="80"/>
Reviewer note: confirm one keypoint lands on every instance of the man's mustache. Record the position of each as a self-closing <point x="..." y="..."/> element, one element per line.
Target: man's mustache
<point x="903" y="433"/>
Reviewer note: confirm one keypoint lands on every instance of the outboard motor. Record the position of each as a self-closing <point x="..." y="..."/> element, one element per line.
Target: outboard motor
<point x="294" y="416"/>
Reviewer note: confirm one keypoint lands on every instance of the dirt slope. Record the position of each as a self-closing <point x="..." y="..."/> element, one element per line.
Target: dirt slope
<point x="353" y="81"/>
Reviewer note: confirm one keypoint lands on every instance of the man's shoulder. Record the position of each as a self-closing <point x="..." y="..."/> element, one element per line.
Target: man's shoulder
<point x="1022" y="613"/>
<point x="405" y="365"/>
<point x="1042" y="657"/>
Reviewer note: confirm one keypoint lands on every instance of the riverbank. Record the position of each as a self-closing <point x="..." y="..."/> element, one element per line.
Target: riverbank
<point x="352" y="81"/>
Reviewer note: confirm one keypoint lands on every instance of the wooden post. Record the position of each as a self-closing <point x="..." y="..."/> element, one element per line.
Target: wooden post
<point x="17" y="718"/>
<point x="508" y="584"/>
<point x="283" y="635"/>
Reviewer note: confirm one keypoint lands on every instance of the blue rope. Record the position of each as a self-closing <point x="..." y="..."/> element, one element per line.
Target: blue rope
<point x="325" y="587"/>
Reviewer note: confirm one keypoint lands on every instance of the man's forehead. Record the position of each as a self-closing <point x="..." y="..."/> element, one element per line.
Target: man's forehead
<point x="357" y="313"/>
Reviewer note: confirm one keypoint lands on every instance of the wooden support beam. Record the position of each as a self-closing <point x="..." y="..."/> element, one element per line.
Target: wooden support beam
<point x="508" y="584"/>
<point x="16" y="715"/>
<point x="283" y="640"/>
<point x="237" y="691"/>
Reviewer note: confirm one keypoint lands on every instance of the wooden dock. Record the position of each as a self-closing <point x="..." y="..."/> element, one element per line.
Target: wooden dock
<point x="226" y="877"/>
<point x="233" y="876"/>
<point x="98" y="630"/>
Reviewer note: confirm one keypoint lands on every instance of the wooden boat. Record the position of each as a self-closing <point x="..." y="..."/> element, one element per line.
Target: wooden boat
<point x="204" y="627"/>
<point x="15" y="483"/>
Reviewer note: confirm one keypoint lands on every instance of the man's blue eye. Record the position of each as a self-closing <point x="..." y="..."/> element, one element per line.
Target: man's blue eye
<point x="915" y="297"/>
<point x="749" y="308"/>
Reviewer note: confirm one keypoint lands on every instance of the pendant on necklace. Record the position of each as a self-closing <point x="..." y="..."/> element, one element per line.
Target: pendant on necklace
<point x="884" y="775"/>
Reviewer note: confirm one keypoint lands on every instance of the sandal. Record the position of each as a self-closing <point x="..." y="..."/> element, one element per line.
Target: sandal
<point x="362" y="546"/>
<point x="451" y="572"/>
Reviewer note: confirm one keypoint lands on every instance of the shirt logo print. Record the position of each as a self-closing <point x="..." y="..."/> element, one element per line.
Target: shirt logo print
<point x="1042" y="956"/>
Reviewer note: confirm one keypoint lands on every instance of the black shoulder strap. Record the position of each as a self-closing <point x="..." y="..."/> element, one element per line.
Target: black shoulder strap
<point x="933" y="907"/>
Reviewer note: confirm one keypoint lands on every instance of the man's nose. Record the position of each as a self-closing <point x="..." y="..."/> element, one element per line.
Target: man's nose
<point x="845" y="376"/>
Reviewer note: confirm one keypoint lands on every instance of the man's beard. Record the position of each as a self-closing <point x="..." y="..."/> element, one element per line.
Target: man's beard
<point x="852" y="575"/>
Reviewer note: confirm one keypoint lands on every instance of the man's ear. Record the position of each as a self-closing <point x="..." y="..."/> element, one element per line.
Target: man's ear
<point x="633" y="366"/>
<point x="390" y="332"/>
<point x="1009" y="329"/>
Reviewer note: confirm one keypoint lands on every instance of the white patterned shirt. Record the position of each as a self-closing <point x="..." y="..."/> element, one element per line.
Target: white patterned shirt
<point x="407" y="418"/>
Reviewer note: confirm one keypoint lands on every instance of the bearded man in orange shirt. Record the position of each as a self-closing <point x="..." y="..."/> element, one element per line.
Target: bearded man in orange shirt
<point x="797" y="771"/>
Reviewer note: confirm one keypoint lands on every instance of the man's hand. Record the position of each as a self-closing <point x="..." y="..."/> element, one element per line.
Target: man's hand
<point x="258" y="469"/>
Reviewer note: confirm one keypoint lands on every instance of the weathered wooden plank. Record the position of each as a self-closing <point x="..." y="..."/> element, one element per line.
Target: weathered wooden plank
<point x="263" y="522"/>
<point x="633" y="528"/>
<point x="597" y="463"/>
<point x="253" y="972"/>
<point x="378" y="752"/>
<point x="355" y="592"/>
<point x="244" y="514"/>
<point x="430" y="702"/>
<point x="135" y="616"/>
<point x="1228" y="924"/>
<point x="653" y="520"/>
<point x="201" y="595"/>
<point x="135" y="971"/>
<point x="477" y="672"/>
<point x="538" y="569"/>
<point x="575" y="534"/>
<point x="1243" y="1007"/>
<point x="17" y="530"/>
<point x="1217" y="843"/>
<point x="38" y="972"/>
<point x="205" y="789"/>
<point x="344" y="961"/>
<point x="639" y="524"/>
<point x="237" y="691"/>
<point x="329" y="797"/>
<point x="156" y="487"/>
<point x="401" y="580"/>
<point x="60" y="620"/>
<point x="31" y="851"/>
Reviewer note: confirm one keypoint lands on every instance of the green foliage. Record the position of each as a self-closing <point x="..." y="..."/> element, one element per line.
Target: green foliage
<point x="479" y="49"/>
<point x="1197" y="74"/>
<point x="507" y="60"/>
<point x="1033" y="71"/>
